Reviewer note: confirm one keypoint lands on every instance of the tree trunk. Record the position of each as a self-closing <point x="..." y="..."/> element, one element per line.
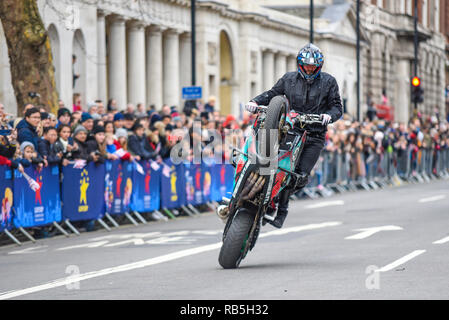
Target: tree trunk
<point x="30" y="55"/>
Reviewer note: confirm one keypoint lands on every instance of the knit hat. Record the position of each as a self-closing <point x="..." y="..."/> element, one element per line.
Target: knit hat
<point x="63" y="111"/>
<point x="97" y="129"/>
<point x="119" y="116"/>
<point x="78" y="129"/>
<point x="155" y="118"/>
<point x="85" y="116"/>
<point x="121" y="132"/>
<point x="25" y="144"/>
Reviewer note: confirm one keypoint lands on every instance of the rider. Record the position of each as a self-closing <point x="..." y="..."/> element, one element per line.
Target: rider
<point x="308" y="91"/>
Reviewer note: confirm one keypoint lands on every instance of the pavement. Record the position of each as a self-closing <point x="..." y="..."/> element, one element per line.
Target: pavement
<point x="384" y="244"/>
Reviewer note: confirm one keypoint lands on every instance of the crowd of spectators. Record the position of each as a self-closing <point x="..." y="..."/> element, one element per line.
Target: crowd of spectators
<point x="100" y="132"/>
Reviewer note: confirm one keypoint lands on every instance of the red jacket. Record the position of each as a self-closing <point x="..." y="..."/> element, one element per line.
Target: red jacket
<point x="127" y="155"/>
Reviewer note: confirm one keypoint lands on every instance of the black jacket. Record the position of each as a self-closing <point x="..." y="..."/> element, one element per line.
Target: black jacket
<point x="82" y="152"/>
<point x="140" y="146"/>
<point x="92" y="146"/>
<point x="321" y="96"/>
<point x="48" y="151"/>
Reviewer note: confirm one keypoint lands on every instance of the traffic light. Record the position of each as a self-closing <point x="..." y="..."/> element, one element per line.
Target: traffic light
<point x="417" y="91"/>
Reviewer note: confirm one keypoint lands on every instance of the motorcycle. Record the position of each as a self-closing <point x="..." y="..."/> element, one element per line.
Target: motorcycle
<point x="264" y="167"/>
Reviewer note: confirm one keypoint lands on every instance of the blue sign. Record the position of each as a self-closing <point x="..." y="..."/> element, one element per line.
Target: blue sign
<point x="147" y="187"/>
<point x="6" y="197"/>
<point x="83" y="192"/>
<point x="118" y="186"/>
<point x="192" y="93"/>
<point x="40" y="207"/>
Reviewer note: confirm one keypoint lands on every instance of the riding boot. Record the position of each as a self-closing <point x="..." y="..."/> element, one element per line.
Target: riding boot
<point x="284" y="198"/>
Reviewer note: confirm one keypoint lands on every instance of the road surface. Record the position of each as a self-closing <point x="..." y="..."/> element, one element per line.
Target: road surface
<point x="385" y="244"/>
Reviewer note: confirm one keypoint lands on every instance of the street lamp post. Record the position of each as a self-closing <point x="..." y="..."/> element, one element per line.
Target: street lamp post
<point x="416" y="44"/>
<point x="358" y="58"/>
<point x="311" y="22"/>
<point x="193" y="38"/>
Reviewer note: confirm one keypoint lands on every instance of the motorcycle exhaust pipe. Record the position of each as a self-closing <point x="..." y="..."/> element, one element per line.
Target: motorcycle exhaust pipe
<point x="250" y="182"/>
<point x="257" y="187"/>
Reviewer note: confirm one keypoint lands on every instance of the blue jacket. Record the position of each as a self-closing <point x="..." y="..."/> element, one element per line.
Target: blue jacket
<point x="26" y="132"/>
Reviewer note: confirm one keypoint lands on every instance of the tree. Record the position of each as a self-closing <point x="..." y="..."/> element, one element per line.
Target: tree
<point x="29" y="53"/>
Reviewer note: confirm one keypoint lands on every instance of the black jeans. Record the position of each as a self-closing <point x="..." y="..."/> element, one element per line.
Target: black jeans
<point x="307" y="160"/>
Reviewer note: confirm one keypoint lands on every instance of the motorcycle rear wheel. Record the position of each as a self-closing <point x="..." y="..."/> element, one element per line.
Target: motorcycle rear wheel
<point x="231" y="253"/>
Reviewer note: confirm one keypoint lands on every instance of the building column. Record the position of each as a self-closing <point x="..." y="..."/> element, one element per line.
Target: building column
<point x="268" y="69"/>
<point x="154" y="66"/>
<point x="171" y="68"/>
<point x="101" y="57"/>
<point x="117" y="61"/>
<point x="185" y="61"/>
<point x="291" y="64"/>
<point x="402" y="107"/>
<point x="280" y="65"/>
<point x="136" y="63"/>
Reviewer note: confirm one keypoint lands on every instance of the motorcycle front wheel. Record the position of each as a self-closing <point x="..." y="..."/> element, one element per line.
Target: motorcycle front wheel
<point x="232" y="250"/>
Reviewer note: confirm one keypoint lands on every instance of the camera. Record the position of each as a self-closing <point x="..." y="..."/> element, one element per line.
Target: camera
<point x="33" y="95"/>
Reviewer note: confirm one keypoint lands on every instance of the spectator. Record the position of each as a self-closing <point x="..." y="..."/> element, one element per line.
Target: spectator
<point x="97" y="146"/>
<point x="120" y="143"/>
<point x="27" y="128"/>
<point x="47" y="147"/>
<point x="63" y="116"/>
<point x="65" y="144"/>
<point x="92" y="109"/>
<point x="75" y="119"/>
<point x="141" y="112"/>
<point x="79" y="138"/>
<point x="109" y="127"/>
<point x="138" y="144"/>
<point x="112" y="105"/>
<point x="129" y="121"/>
<point x="77" y="102"/>
<point x="87" y="121"/>
<point x="130" y="108"/>
<point x="61" y="104"/>
<point x="45" y="120"/>
<point x="210" y="105"/>
<point x="29" y="156"/>
<point x="100" y="107"/>
<point x="119" y="120"/>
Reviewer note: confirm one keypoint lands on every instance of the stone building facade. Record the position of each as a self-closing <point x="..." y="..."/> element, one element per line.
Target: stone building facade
<point x="140" y="51"/>
<point x="388" y="55"/>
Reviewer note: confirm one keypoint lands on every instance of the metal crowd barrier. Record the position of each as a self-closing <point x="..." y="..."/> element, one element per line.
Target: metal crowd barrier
<point x="337" y="172"/>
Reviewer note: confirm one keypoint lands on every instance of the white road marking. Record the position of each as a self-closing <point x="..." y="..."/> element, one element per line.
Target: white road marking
<point x="430" y="199"/>
<point x="148" y="262"/>
<point x="325" y="204"/>
<point x="367" y="232"/>
<point x="401" y="261"/>
<point x="441" y="241"/>
<point x="299" y="229"/>
<point x="29" y="250"/>
<point x="85" y="245"/>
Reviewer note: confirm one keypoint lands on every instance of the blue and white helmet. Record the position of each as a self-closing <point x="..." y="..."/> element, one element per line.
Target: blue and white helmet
<point x="310" y="55"/>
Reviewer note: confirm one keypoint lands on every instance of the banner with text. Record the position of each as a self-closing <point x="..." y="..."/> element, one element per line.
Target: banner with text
<point x="83" y="192"/>
<point x="41" y="206"/>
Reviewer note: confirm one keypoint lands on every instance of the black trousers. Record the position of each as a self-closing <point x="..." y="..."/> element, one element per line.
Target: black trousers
<point x="310" y="154"/>
<point x="307" y="160"/>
